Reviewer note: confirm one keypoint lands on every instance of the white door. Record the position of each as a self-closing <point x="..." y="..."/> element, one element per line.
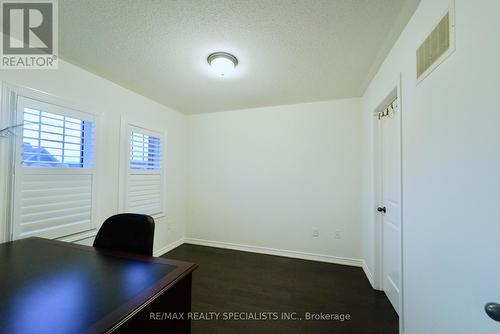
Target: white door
<point x="390" y="206"/>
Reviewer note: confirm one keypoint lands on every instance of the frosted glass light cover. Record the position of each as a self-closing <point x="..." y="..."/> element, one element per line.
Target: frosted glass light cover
<point x="222" y="66"/>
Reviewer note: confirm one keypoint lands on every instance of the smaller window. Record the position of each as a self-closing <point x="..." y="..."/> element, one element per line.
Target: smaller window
<point x="145" y="152"/>
<point x="51" y="140"/>
<point x="144" y="183"/>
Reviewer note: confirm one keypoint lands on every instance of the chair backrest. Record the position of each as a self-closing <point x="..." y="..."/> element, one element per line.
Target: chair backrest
<point x="127" y="232"/>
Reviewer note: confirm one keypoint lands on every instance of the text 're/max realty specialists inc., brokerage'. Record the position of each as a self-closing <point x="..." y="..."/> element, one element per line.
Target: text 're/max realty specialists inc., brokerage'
<point x="249" y="316"/>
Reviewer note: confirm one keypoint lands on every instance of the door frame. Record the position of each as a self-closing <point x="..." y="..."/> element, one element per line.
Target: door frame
<point x="393" y="93"/>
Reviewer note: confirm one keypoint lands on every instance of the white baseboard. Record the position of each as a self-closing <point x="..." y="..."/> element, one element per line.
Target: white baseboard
<point x="368" y="274"/>
<point x="277" y="252"/>
<point x="168" y="248"/>
<point x="268" y="251"/>
<point x="272" y="251"/>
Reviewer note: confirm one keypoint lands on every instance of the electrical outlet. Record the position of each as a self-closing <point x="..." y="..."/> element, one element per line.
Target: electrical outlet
<point x="338" y="235"/>
<point x="316" y="232"/>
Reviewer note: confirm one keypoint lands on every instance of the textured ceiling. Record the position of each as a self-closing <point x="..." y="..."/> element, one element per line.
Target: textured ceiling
<point x="289" y="51"/>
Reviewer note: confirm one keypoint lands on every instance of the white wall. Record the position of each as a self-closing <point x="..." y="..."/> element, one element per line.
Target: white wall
<point x="451" y="171"/>
<point x="99" y="95"/>
<point x="266" y="177"/>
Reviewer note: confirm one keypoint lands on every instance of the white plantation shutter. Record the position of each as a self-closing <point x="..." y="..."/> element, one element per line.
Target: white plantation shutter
<point x="55" y="205"/>
<point x="144" y="177"/>
<point x="54" y="174"/>
<point x="145" y="150"/>
<point x="144" y="194"/>
<point x="53" y="140"/>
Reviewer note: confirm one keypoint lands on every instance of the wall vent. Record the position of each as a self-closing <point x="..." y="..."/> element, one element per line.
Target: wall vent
<point x="438" y="45"/>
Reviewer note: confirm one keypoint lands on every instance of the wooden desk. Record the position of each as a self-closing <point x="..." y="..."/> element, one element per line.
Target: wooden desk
<point x="52" y="287"/>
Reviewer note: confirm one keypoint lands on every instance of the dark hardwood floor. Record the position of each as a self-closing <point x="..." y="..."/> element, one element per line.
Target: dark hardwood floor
<point x="233" y="281"/>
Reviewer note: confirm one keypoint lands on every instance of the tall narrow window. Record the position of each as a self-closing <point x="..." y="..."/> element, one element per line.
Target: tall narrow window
<point x="54" y="174"/>
<point x="144" y="180"/>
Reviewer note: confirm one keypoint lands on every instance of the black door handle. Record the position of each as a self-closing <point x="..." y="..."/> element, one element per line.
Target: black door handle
<point x="381" y="209"/>
<point x="493" y="311"/>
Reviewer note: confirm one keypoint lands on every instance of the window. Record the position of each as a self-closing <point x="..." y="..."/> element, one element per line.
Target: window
<point x="54" y="181"/>
<point x="51" y="140"/>
<point x="145" y="152"/>
<point x="144" y="171"/>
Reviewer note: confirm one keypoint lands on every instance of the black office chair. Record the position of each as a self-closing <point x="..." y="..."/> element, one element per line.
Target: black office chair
<point x="127" y="232"/>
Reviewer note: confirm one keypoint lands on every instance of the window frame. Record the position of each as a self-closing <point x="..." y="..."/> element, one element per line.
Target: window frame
<point x="15" y="99"/>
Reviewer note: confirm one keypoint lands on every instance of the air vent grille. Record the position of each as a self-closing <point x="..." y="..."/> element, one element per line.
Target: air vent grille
<point x="434" y="46"/>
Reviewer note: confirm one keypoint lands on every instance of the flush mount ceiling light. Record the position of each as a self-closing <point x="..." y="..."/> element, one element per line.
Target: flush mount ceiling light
<point x="222" y="63"/>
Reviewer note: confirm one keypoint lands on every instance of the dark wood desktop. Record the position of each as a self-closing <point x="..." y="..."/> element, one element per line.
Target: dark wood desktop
<point x="49" y="286"/>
